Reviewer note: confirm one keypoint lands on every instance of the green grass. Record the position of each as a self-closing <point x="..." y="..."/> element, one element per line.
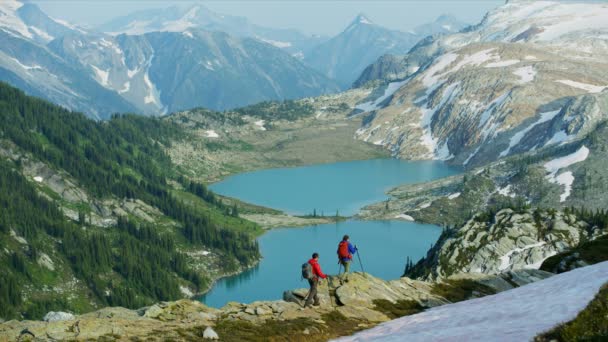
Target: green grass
<point x="462" y="289"/>
<point x="591" y="324"/>
<point x="399" y="309"/>
<point x="274" y="331"/>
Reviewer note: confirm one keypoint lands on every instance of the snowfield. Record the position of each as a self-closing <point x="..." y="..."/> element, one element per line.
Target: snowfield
<point x="514" y="315"/>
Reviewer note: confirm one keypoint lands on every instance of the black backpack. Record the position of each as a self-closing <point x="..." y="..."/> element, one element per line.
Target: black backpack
<point x="306" y="271"/>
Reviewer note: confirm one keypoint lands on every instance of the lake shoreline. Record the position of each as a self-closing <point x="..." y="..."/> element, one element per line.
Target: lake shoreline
<point x="342" y="187"/>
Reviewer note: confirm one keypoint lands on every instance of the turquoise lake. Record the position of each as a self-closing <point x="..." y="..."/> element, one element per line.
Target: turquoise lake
<point x="344" y="187"/>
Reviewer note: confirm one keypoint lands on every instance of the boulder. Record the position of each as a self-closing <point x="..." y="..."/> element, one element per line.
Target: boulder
<point x="293" y="297"/>
<point x="263" y="310"/>
<point x="179" y="310"/>
<point x="210" y="334"/>
<point x="56" y="316"/>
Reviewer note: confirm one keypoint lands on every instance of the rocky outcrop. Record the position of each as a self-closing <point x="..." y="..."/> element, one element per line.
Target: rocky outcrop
<point x="505" y="241"/>
<point x="354" y="301"/>
<point x="58" y="316"/>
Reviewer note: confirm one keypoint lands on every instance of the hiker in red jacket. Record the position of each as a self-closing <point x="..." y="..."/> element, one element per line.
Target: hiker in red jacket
<point x="345" y="255"/>
<point x="314" y="280"/>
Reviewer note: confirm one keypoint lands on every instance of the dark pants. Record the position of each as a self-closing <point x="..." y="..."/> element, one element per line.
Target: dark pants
<point x="312" y="294"/>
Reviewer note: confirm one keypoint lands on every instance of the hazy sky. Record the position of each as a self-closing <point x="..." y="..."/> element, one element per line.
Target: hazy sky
<point x="319" y="17"/>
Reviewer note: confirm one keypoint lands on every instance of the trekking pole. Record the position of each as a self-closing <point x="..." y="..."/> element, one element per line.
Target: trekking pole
<point x="360" y="263"/>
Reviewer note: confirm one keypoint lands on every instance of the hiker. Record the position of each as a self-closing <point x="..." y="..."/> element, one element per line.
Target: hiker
<point x="345" y="255"/>
<point x="313" y="280"/>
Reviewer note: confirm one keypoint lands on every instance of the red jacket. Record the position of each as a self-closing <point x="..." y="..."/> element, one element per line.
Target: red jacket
<point x="316" y="269"/>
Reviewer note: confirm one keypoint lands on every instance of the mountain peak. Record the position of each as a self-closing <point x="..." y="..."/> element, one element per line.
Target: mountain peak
<point x="361" y="19"/>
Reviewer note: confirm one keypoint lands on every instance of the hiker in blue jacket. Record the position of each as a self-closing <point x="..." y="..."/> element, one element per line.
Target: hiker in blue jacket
<point x="345" y="255"/>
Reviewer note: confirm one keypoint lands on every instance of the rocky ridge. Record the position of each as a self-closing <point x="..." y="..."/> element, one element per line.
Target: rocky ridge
<point x="506" y="240"/>
<point x="354" y="302"/>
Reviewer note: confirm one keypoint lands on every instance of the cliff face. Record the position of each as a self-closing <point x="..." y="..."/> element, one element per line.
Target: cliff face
<point x="362" y="302"/>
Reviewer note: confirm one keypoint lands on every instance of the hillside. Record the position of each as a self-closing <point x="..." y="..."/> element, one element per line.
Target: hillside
<point x="530" y="76"/>
<point x="98" y="215"/>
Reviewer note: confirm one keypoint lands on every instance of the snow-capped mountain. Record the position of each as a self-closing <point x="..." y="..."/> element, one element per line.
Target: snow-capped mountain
<point x="532" y="74"/>
<point x="28" y="21"/>
<point x="346" y="55"/>
<point x="26" y="62"/>
<point x="159" y="72"/>
<point x="180" y="19"/>
<point x="150" y="73"/>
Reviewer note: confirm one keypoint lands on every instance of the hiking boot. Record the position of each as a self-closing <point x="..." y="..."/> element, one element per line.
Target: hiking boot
<point x="316" y="304"/>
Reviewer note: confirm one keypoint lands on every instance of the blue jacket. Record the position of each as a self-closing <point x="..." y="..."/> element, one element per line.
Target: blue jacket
<point x="351" y="250"/>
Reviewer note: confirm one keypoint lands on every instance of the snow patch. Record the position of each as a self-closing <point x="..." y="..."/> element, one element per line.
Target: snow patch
<point x="425" y="205"/>
<point x="454" y="195"/>
<point x="559" y="163"/>
<point x="516" y="138"/>
<point x="526" y="74"/>
<point x="125" y="88"/>
<point x="430" y="76"/>
<point x="506" y="191"/>
<point x="26" y="67"/>
<point x="211" y="134"/>
<point x="389" y="91"/>
<point x="42" y="34"/>
<point x="102" y="76"/>
<point x="260" y="124"/>
<point x="501" y="64"/>
<point x="565" y="178"/>
<point x="590" y="88"/>
<point x="276" y="43"/>
<point x="471" y="156"/>
<point x="426" y="117"/>
<point x="131" y="73"/>
<point x="405" y="217"/>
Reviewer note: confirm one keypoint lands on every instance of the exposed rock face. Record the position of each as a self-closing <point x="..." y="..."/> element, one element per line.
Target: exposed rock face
<point x="387" y="68"/>
<point x="354" y="300"/>
<point x="508" y="241"/>
<point x="495" y="90"/>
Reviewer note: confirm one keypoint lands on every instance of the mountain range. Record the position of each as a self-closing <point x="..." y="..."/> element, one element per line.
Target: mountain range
<point x="346" y="55"/>
<point x="159" y="61"/>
